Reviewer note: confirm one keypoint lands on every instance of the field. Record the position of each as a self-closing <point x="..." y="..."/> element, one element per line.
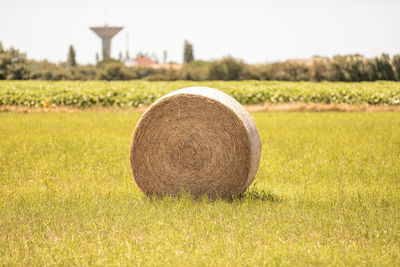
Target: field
<point x="138" y="93"/>
<point x="327" y="193"/>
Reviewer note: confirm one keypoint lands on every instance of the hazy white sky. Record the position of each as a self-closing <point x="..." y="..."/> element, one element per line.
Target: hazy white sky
<point x="254" y="30"/>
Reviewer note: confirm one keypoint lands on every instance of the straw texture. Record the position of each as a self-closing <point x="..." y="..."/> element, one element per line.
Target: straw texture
<point x="199" y="140"/>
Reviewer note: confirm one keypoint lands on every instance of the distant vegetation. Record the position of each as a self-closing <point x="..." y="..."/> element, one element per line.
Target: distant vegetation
<point x="137" y="93"/>
<point x="14" y="65"/>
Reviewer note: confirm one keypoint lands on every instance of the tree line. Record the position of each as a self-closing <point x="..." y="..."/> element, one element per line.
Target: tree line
<point x="15" y="65"/>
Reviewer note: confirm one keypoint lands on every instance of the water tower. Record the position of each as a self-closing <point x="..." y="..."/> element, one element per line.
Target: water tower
<point x="106" y="33"/>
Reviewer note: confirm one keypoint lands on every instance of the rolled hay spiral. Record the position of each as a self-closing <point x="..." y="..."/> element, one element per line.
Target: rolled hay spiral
<point x="198" y="140"/>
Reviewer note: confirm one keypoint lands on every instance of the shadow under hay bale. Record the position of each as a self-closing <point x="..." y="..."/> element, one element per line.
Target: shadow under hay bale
<point x="261" y="195"/>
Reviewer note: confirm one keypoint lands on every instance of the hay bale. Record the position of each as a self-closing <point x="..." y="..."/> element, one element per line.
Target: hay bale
<point x="196" y="139"/>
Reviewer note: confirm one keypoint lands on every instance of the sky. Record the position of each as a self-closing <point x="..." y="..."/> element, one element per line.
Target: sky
<point x="256" y="31"/>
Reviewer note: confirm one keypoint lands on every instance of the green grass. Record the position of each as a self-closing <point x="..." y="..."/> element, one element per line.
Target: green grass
<point x="137" y="93"/>
<point x="327" y="193"/>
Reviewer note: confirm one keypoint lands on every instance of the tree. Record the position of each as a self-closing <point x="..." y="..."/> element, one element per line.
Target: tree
<point x="127" y="55"/>
<point x="197" y="70"/>
<point x="357" y="68"/>
<point x="115" y="71"/>
<point x="228" y="68"/>
<point x="71" y="57"/>
<point x="234" y="66"/>
<point x="218" y="71"/>
<point x="318" y="71"/>
<point x="396" y="65"/>
<point x="97" y="57"/>
<point x="187" y="52"/>
<point x="13" y="65"/>
<point x="165" y="55"/>
<point x="383" y="67"/>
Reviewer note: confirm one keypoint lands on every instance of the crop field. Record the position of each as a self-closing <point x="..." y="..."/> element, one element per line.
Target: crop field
<point x="327" y="191"/>
<point x="138" y="93"/>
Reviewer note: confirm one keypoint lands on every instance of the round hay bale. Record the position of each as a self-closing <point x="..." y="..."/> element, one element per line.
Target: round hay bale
<point x="198" y="140"/>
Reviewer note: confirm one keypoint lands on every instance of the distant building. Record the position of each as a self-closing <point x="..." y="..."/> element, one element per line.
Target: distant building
<point x="147" y="62"/>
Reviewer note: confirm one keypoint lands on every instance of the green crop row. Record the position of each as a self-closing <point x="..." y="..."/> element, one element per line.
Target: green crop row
<point x="138" y="93"/>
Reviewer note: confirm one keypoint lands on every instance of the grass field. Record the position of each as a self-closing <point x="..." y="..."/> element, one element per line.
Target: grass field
<point x="327" y="193"/>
